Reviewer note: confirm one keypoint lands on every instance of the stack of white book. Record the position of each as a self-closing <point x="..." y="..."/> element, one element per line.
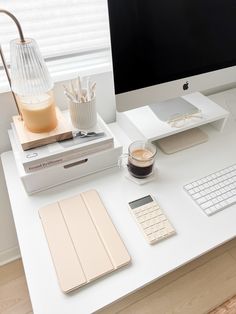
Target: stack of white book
<point x="53" y="164"/>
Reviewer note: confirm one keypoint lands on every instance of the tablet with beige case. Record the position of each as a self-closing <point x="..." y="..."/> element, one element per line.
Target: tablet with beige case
<point x="82" y="239"/>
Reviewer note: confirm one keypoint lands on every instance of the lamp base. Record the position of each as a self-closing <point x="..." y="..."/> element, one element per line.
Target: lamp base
<point x="29" y="140"/>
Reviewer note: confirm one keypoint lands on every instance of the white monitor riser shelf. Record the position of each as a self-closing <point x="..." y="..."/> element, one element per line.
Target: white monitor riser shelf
<point x="142" y="123"/>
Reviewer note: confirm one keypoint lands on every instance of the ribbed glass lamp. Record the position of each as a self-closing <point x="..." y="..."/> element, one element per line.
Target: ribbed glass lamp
<point x="31" y="83"/>
<point x="29" y="73"/>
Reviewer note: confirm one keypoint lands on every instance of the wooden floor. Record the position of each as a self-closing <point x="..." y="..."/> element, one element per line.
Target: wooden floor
<point x="201" y="286"/>
<point x="14" y="296"/>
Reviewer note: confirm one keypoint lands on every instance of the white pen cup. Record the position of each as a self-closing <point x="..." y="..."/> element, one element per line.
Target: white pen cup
<point x="83" y="114"/>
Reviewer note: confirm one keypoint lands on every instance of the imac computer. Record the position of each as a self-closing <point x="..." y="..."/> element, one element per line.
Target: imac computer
<point x="162" y="49"/>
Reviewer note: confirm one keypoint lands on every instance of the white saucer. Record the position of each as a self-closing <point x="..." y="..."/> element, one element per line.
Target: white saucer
<point x="152" y="177"/>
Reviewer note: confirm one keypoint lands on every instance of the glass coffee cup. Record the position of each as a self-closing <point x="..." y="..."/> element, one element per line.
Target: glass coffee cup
<point x="140" y="159"/>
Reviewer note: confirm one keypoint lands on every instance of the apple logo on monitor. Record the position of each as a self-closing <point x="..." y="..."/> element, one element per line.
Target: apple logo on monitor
<point x="185" y="86"/>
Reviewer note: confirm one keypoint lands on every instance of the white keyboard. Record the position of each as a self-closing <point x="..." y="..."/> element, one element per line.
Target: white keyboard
<point x="215" y="191"/>
<point x="150" y="218"/>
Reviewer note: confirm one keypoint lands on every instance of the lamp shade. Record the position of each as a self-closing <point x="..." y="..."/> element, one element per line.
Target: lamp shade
<point x="29" y="73"/>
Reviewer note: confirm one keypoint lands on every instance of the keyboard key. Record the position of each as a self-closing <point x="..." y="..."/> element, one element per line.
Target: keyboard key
<point x="196" y="195"/>
<point x="206" y="205"/>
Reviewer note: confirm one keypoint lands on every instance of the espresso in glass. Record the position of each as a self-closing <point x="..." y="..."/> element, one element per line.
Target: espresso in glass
<point x="141" y="159"/>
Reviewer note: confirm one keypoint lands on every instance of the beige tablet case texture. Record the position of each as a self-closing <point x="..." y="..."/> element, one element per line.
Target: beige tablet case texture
<point x="82" y="239"/>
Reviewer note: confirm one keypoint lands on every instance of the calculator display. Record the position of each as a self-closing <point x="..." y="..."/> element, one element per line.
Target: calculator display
<point x="141" y="201"/>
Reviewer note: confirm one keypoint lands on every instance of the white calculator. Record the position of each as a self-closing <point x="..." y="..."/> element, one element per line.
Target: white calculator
<point x="152" y="221"/>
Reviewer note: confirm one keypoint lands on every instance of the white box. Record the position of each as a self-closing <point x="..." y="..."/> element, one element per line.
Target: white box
<point x="57" y="153"/>
<point x="43" y="179"/>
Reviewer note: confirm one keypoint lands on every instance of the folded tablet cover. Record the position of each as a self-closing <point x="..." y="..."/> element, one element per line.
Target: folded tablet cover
<point x="82" y="239"/>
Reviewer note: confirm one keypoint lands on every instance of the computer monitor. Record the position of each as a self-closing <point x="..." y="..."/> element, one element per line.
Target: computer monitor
<point x="163" y="49"/>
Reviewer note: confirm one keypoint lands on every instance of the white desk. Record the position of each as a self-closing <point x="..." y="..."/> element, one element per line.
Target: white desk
<point x="196" y="233"/>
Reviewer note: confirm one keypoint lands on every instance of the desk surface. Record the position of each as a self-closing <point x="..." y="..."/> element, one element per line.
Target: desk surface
<point x="196" y="233"/>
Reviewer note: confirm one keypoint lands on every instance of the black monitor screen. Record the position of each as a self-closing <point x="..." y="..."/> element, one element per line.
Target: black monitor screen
<point x="156" y="41"/>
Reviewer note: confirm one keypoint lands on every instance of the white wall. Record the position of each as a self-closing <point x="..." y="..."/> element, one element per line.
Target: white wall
<point x="106" y="108"/>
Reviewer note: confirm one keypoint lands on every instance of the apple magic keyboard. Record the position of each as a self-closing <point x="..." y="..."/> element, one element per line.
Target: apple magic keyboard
<point x="215" y="191"/>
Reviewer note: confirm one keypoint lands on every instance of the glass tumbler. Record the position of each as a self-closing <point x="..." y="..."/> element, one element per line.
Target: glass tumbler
<point x="140" y="159"/>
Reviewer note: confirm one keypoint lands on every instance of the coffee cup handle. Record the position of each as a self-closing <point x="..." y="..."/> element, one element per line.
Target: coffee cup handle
<point x="121" y="160"/>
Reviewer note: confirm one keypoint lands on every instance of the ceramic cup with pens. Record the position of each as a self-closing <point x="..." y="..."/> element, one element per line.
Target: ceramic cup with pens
<point x="140" y="159"/>
<point x="83" y="114"/>
<point x="82" y="104"/>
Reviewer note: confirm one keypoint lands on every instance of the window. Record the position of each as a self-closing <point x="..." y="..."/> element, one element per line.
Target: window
<point x="73" y="35"/>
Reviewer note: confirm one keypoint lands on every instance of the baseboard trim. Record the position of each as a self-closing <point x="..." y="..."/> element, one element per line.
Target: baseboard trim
<point x="9" y="255"/>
